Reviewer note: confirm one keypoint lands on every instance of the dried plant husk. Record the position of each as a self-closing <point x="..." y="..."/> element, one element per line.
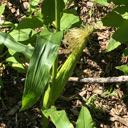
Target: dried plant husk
<point x="75" y="36"/>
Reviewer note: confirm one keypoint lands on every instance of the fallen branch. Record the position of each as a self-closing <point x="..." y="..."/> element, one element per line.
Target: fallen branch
<point x="100" y="80"/>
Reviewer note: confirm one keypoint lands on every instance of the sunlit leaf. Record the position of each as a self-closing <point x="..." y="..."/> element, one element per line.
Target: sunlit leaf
<point x="15" y="64"/>
<point x="113" y="44"/>
<point x="123" y="68"/>
<point x="67" y="20"/>
<point x="102" y="2"/>
<point x="2" y="8"/>
<point x="40" y="65"/>
<point x="125" y="15"/>
<point x="85" y="120"/>
<point x="8" y="24"/>
<point x="34" y="2"/>
<point x="22" y="34"/>
<point x="59" y="118"/>
<point x="11" y="43"/>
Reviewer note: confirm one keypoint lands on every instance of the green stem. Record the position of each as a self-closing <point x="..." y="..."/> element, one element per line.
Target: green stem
<point x="57" y="16"/>
<point x="46" y="99"/>
<point x="45" y="122"/>
<point x="67" y="69"/>
<point x="54" y="69"/>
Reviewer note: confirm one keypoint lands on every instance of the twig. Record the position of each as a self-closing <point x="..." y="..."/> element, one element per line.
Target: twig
<point x="100" y="80"/>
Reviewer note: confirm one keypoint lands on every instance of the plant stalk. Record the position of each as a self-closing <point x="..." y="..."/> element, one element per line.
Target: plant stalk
<point x="57" y="16"/>
<point x="67" y="69"/>
<point x="47" y="95"/>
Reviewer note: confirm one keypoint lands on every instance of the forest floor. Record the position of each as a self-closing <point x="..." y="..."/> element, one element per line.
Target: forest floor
<point x="108" y="103"/>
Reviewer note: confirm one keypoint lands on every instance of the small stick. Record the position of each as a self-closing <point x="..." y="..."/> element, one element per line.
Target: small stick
<point x="118" y="79"/>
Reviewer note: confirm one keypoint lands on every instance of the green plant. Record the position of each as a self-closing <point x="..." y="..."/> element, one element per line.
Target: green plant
<point x="58" y="117"/>
<point x="2" y="8"/>
<point x="117" y="18"/>
<point x="43" y="79"/>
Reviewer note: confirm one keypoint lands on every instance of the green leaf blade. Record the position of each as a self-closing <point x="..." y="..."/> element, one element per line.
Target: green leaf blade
<point x="102" y="2"/>
<point x="52" y="13"/>
<point x="121" y="33"/>
<point x="109" y="20"/>
<point x="33" y="22"/>
<point x="38" y="75"/>
<point x="34" y="2"/>
<point x="59" y="118"/>
<point x="22" y="34"/>
<point x="67" y="20"/>
<point x="84" y="120"/>
<point x="112" y="44"/>
<point x="123" y="68"/>
<point x="11" y="43"/>
<point x="2" y="8"/>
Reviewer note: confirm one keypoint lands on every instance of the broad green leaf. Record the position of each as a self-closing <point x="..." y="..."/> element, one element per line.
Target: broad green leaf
<point x="113" y="19"/>
<point x="68" y="1"/>
<point x="85" y="120"/>
<point x="2" y="8"/>
<point x="121" y="33"/>
<point x="48" y="11"/>
<point x="125" y="15"/>
<point x="31" y="41"/>
<point x="8" y="24"/>
<point x="34" y="2"/>
<point x="67" y="20"/>
<point x="120" y="2"/>
<point x="15" y="64"/>
<point x="11" y="52"/>
<point x="102" y="2"/>
<point x="33" y="22"/>
<point x="113" y="44"/>
<point x="38" y="74"/>
<point x="22" y="34"/>
<point x="52" y="10"/>
<point x="123" y="68"/>
<point x="11" y="43"/>
<point x="59" y="118"/>
<point x="11" y="60"/>
<point x="65" y="1"/>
